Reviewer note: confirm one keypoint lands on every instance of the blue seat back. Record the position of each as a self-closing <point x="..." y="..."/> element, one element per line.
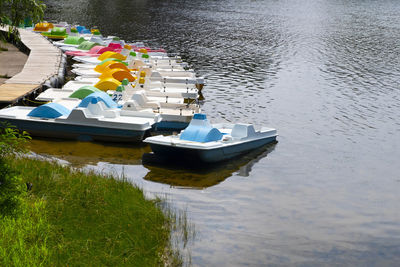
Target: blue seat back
<point x="49" y="111"/>
<point x="96" y="97"/>
<point x="200" y="130"/>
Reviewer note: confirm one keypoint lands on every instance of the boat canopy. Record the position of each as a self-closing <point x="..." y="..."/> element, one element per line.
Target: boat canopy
<point x="200" y="130"/>
<point x="111" y="64"/>
<point x="100" y="67"/>
<point x="96" y="49"/>
<point x="115" y="46"/>
<point x="115" y="65"/>
<point x="74" y="40"/>
<point x="84" y="91"/>
<point x="97" y="97"/>
<point x="80" y="28"/>
<point x="49" y="111"/>
<point x="87" y="45"/>
<point x="107" y="84"/>
<point x="110" y="54"/>
<point x="118" y="74"/>
<point x="58" y="31"/>
<point x="43" y="26"/>
<point x="104" y="49"/>
<point x="112" y="59"/>
<point x="93" y="51"/>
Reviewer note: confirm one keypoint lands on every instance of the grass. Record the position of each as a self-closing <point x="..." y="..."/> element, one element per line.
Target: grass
<point x="3" y="49"/>
<point x="71" y="218"/>
<point x="23" y="240"/>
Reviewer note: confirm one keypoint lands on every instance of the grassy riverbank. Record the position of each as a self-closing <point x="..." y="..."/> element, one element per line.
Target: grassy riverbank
<point x="82" y="219"/>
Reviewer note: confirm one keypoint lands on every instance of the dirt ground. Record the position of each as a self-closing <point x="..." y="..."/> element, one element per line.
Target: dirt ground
<point x="11" y="61"/>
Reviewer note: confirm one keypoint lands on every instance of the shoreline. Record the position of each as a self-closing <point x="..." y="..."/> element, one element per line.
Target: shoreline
<point x="82" y="195"/>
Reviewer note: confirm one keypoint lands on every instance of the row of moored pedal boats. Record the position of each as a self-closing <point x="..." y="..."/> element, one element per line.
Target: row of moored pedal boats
<point x="122" y="92"/>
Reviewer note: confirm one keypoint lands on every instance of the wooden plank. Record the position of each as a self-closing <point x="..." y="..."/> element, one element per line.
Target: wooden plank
<point x="10" y="93"/>
<point x="43" y="62"/>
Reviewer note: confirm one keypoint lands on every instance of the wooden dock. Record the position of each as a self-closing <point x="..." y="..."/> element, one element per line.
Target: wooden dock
<point x="43" y="63"/>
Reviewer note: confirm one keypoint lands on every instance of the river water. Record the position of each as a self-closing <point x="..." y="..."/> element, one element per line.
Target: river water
<point x="325" y="74"/>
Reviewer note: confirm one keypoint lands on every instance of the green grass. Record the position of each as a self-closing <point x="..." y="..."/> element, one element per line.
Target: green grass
<point x="71" y="218"/>
<point x="23" y="240"/>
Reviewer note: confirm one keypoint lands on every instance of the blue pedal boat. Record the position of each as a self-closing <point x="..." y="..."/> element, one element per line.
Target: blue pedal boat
<point x="210" y="143"/>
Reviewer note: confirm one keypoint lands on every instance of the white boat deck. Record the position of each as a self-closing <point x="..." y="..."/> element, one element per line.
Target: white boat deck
<point x="53" y="93"/>
<point x="17" y="112"/>
<point x="120" y="122"/>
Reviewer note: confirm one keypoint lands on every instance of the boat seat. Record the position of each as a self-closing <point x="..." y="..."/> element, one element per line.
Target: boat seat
<point x="132" y="105"/>
<point x="242" y="130"/>
<point x="155" y="75"/>
<point x="147" y="71"/>
<point x="136" y="64"/>
<point x="200" y="130"/>
<point x="97" y="39"/>
<point x="99" y="108"/>
<point x="142" y="100"/>
<point x="49" y="111"/>
<point x="98" y="97"/>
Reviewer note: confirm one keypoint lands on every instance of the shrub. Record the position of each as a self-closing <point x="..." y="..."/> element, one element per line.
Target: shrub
<point x="12" y="189"/>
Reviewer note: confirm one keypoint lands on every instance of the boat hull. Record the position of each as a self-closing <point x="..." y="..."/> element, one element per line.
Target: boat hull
<point x="77" y="132"/>
<point x="208" y="155"/>
<point x="171" y="126"/>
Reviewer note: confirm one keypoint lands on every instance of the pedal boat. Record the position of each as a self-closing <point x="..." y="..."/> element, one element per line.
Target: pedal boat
<point x="210" y="143"/>
<point x="174" y="117"/>
<point x="84" y="46"/>
<point x="156" y="58"/>
<point x="96" y="118"/>
<point x="72" y="41"/>
<point x="56" y="33"/>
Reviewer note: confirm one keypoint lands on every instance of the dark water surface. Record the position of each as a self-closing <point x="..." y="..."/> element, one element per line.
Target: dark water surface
<point x="325" y="74"/>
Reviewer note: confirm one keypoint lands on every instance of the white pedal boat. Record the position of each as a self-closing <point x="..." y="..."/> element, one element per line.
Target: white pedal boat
<point x="70" y="41"/>
<point x="149" y="85"/>
<point x="91" y="73"/>
<point x="157" y="64"/>
<point x="210" y="143"/>
<point x="52" y="94"/>
<point x="174" y="117"/>
<point x="151" y="88"/>
<point x="75" y="85"/>
<point x="159" y="67"/>
<point x="95" y="118"/>
<point x="172" y="90"/>
<point x="94" y="60"/>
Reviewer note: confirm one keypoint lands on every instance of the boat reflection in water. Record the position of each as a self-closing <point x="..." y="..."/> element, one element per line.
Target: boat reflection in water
<point x="194" y="175"/>
<point x="79" y="154"/>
